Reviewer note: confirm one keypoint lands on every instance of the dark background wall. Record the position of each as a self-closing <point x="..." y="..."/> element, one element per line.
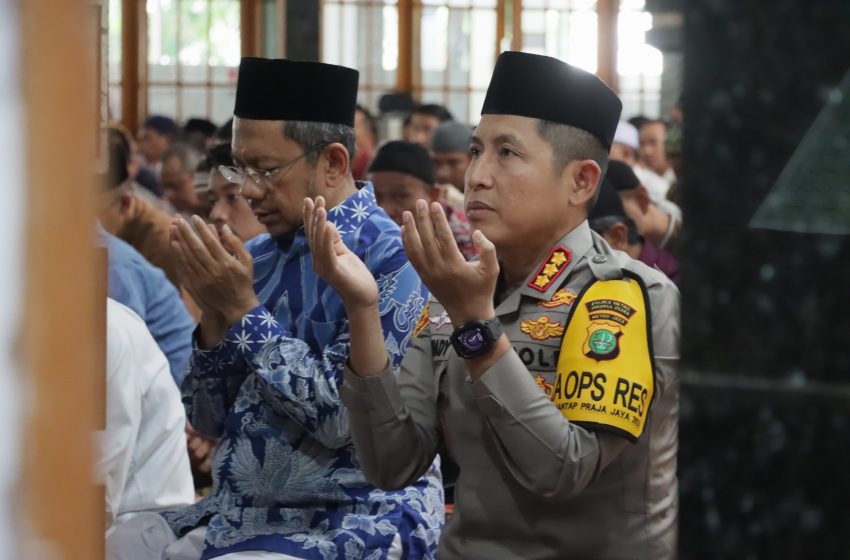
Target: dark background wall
<point x="765" y="448"/>
<point x="302" y="30"/>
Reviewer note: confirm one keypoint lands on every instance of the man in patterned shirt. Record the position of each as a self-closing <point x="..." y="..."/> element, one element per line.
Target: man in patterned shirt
<point x="267" y="361"/>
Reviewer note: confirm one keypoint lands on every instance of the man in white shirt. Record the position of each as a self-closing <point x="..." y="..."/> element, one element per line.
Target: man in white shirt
<point x="625" y="148"/>
<point x="143" y="461"/>
<point x="653" y="158"/>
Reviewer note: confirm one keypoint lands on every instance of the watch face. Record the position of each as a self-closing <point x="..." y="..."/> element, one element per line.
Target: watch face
<point x="472" y="341"/>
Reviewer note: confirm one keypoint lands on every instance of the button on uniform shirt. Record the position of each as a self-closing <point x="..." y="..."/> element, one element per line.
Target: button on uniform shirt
<point x="286" y="476"/>
<point x="143" y="459"/>
<point x="532" y="484"/>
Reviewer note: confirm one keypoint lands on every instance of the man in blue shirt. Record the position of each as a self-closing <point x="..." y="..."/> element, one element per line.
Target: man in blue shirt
<point x="144" y="288"/>
<point x="273" y="341"/>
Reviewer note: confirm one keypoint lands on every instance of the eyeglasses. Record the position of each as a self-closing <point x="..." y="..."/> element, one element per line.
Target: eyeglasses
<point x="264" y="178"/>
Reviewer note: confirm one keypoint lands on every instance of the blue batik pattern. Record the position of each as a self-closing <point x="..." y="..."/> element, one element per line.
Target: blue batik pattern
<point x="286" y="478"/>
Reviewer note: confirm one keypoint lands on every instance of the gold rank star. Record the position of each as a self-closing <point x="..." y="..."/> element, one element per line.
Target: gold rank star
<point x="550" y="270"/>
<point x="558" y="258"/>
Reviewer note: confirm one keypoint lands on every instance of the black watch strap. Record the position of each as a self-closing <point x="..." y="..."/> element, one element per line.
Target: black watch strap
<point x="476" y="338"/>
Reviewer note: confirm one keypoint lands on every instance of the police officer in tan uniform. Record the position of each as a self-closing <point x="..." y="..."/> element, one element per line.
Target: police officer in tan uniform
<point x="548" y="366"/>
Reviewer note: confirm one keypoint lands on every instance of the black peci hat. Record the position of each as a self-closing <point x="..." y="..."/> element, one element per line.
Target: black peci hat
<point x="405" y="157"/>
<point x="289" y="90"/>
<point x="608" y="203"/>
<point x="621" y="176"/>
<point x="542" y="87"/>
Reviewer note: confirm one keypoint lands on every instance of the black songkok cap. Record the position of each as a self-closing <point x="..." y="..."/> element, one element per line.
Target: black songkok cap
<point x="608" y="203"/>
<point x="621" y="176"/>
<point x="289" y="90"/>
<point x="405" y="157"/>
<point x="542" y="87"/>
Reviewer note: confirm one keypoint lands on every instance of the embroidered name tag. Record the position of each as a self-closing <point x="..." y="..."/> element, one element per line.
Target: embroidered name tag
<point x="605" y="374"/>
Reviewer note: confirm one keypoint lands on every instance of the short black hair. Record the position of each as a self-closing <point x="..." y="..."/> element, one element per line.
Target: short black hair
<point x="204" y="127"/>
<point x="224" y="134"/>
<point x="119" y="157"/>
<point x="309" y="135"/>
<point x="161" y="124"/>
<point x="639" y="121"/>
<point x="604" y="223"/>
<point x="215" y="156"/>
<point x="571" y="144"/>
<point x="433" y="110"/>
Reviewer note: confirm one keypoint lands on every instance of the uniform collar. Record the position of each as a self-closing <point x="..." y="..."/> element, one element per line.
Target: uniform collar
<point x="549" y="274"/>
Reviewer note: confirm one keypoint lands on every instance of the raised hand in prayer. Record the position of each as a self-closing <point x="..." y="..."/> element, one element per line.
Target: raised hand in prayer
<point x="465" y="289"/>
<point x="348" y="275"/>
<point x="217" y="271"/>
<point x="334" y="262"/>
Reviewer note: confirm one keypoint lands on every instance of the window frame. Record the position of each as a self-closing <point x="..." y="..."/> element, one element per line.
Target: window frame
<point x="134" y="82"/>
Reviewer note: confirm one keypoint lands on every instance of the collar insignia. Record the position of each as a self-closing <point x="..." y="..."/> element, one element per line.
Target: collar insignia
<point x="440" y="320"/>
<point x="549" y="271"/>
<point x="561" y="297"/>
<point x="422" y="322"/>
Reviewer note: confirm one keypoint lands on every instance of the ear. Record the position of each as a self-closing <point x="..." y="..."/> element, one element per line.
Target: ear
<point x="642" y="197"/>
<point x="618" y="236"/>
<point x="336" y="162"/>
<point x="585" y="180"/>
<point x="128" y="203"/>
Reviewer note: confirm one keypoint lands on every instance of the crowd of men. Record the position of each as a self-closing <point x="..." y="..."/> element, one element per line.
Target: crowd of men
<point x="460" y="343"/>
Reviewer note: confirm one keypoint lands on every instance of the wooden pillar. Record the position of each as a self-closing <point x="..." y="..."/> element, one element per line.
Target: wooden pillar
<point x="62" y="346"/>
<point x="133" y="63"/>
<point x="404" y="72"/>
<point x="303" y="30"/>
<point x="607" y="11"/>
<point x="500" y="25"/>
<point x="250" y="28"/>
<point x="516" y="21"/>
<point x="508" y="25"/>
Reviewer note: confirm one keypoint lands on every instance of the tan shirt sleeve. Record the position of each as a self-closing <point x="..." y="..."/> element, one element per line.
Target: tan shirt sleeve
<point x="544" y="452"/>
<point x="393" y="418"/>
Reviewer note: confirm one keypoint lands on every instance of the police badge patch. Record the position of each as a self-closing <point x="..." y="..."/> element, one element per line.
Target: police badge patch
<point x="605" y="374"/>
<point x="603" y="341"/>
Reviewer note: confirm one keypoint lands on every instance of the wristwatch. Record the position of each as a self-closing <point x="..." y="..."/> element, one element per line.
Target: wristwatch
<point x="476" y="338"/>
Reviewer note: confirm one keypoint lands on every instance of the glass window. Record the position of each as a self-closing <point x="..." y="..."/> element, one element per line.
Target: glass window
<point x="639" y="65"/>
<point x="114" y="65"/>
<point x="457" y="52"/>
<point x="363" y="34"/>
<point x="193" y="56"/>
<point x="564" y="29"/>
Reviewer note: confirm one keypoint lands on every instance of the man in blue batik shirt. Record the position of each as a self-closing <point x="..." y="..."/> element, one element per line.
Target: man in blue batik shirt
<point x="268" y="361"/>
